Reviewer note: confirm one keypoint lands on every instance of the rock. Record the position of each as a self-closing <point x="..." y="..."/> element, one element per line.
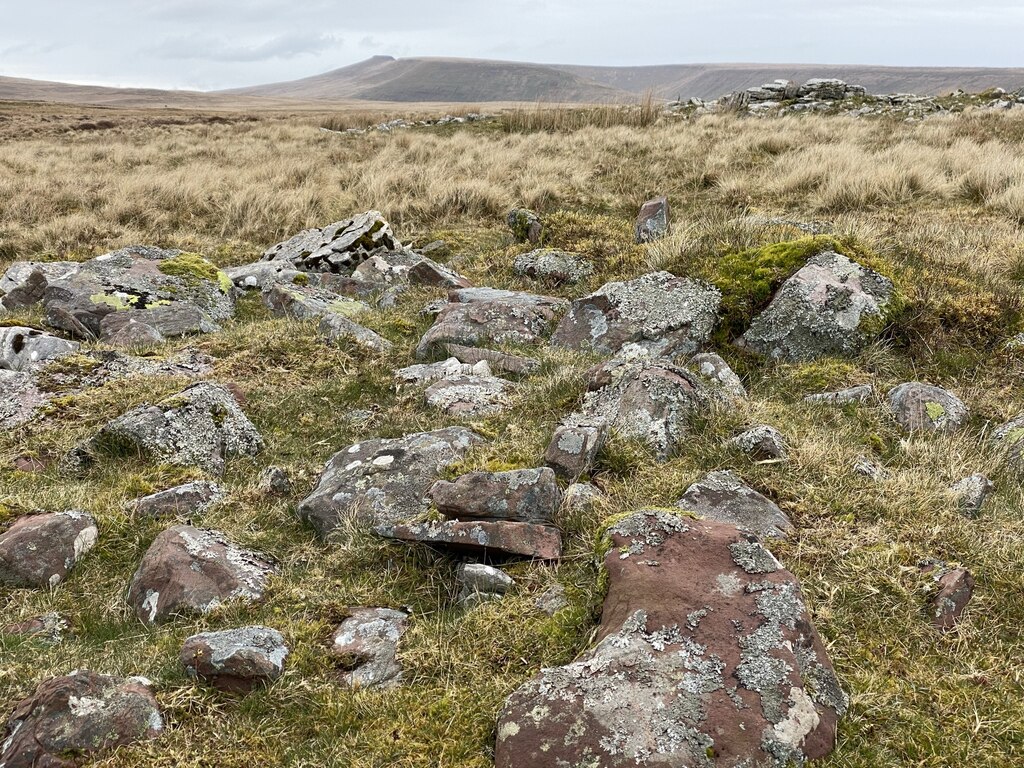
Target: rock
<point x="265" y="274"/>
<point x="523" y="495"/>
<point x="235" y="660"/>
<point x="469" y="396"/>
<point x="190" y="570"/>
<point x="574" y="447"/>
<point x="713" y="368"/>
<point x="182" y="501"/>
<point x="132" y="334"/>
<point x="652" y="221"/>
<point x="955" y="590"/>
<point x="366" y="644"/>
<point x="552" y="600"/>
<point x="481" y="537"/>
<point x="762" y="443"/>
<point x="664" y="314"/>
<point x="40" y="550"/>
<point x="705" y="655"/>
<point x="500" y="361"/>
<point x="922" y="407"/>
<point x="26" y="294"/>
<point x="525" y="225"/>
<point x="971" y="493"/>
<point x="725" y="498"/>
<point x="868" y="468"/>
<point x="306" y="303"/>
<point x="20" y="272"/>
<point x="581" y="497"/>
<point x="275" y="481"/>
<point x="1009" y="435"/>
<point x="337" y="328"/>
<point x="201" y="426"/>
<point x="427" y="373"/>
<point x="832" y="306"/>
<point x="483" y="295"/>
<point x="20" y="398"/>
<point x="478" y="323"/>
<point x="383" y="481"/>
<point x="859" y="394"/>
<point x="339" y="247"/>
<point x="558" y="267"/>
<point x="481" y="583"/>
<point x="48" y="628"/>
<point x="82" y="714"/>
<point x="29" y="464"/>
<point x="22" y="349"/>
<point x="427" y="272"/>
<point x="170" y="321"/>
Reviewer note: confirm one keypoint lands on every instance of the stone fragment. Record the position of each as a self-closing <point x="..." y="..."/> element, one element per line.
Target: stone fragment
<point x="469" y="396"/>
<point x="48" y="628"/>
<point x="762" y="443"/>
<point x="40" y="550"/>
<point x="190" y="570"/>
<point x="235" y="660"/>
<point x="182" y="501"/>
<point x="713" y="368"/>
<point x="525" y="225"/>
<point x="132" y="334"/>
<point x="383" y="480"/>
<point x="80" y="715"/>
<point x="923" y="407"/>
<point x="573" y="450"/>
<point x="428" y="272"/>
<point x="275" y="481"/>
<point x="499" y="361"/>
<point x="478" y="323"/>
<point x="427" y="373"/>
<point x="955" y="590"/>
<point x="523" y="495"/>
<point x="659" y="312"/>
<point x="971" y="493"/>
<point x="832" y="306"/>
<point x="339" y="247"/>
<point x="559" y="267"/>
<point x="706" y="655"/>
<point x="366" y="646"/>
<point x="481" y="537"/>
<point x="552" y="600"/>
<point x="338" y="327"/>
<point x="23" y="349"/>
<point x="484" y="295"/>
<point x="480" y="583"/>
<point x="20" y="398"/>
<point x="652" y="221"/>
<point x="859" y="394"/>
<point x="725" y="498"/>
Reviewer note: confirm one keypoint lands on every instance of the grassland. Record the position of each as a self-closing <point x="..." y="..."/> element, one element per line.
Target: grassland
<point x="939" y="204"/>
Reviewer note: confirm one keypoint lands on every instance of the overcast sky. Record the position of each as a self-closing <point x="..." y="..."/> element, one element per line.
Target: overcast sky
<point x="208" y="44"/>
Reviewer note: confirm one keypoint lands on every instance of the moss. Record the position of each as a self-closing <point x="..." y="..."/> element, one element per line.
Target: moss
<point x="224" y="281"/>
<point x="1014" y="436"/>
<point x="301" y="279"/>
<point x="193" y="269"/>
<point x="112" y="301"/>
<point x="346" y="307"/>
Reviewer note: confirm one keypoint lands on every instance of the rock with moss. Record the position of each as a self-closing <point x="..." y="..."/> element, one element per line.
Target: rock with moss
<point x="953" y="590"/>
<point x="526" y="225"/>
<point x="383" y="480"/>
<point x="652" y="221"/>
<point x="921" y="407"/>
<point x="201" y="426"/>
<point x="832" y="306"/>
<point x="970" y="493"/>
<point x="712" y="367"/>
<point x="40" y="550"/>
<point x="576" y="444"/>
<point x="1010" y="437"/>
<point x="24" y="349"/>
<point x="706" y="655"/>
<point x="304" y="302"/>
<point x="481" y="538"/>
<point x="427" y="373"/>
<point x="762" y="443"/>
<point x="339" y="247"/>
<point x="724" y="497"/>
<point x="559" y="267"/>
<point x="664" y="314"/>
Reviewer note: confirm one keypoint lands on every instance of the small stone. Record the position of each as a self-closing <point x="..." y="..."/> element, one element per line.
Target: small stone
<point x="235" y="660"/>
<point x="48" y="628"/>
<point x="29" y="464"/>
<point x="523" y="495"/>
<point x="725" y="498"/>
<point x="923" y="407"/>
<point x="971" y="493"/>
<point x="482" y="537"/>
<point x="956" y="588"/>
<point x="559" y="267"/>
<point x="428" y="272"/>
<point x="264" y="274"/>
<point x="182" y="501"/>
<point x="366" y="645"/>
<point x="652" y="221"/>
<point x="573" y="450"/>
<point x="274" y="481"/>
<point x="335" y="328"/>
<point x="1010" y="436"/>
<point x="40" y="550"/>
<point x="762" y="443"/>
<point x="581" y="497"/>
<point x="713" y="368"/>
<point x="481" y="583"/>
<point x="859" y="394"/>
<point x="525" y="225"/>
<point x="870" y="468"/>
<point x="552" y="600"/>
<point x="469" y="396"/>
<point x="515" y="320"/>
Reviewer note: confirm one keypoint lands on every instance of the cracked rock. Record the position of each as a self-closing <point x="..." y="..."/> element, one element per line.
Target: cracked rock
<point x="522" y="495"/>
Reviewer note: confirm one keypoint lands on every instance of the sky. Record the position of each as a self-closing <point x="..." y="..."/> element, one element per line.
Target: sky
<point x="211" y="44"/>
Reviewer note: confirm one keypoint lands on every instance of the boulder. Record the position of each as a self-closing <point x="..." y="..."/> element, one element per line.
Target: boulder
<point x="235" y="660"/>
<point x="832" y="306"/>
<point x="652" y="221"/>
<point x="182" y="501"/>
<point x="190" y="570"/>
<point x="725" y="498"/>
<point x="80" y="715"/>
<point x="523" y="495"/>
<point x="664" y="314"/>
<point x="713" y="368"/>
<point x="366" y="647"/>
<point x="40" y="550"/>
<point x="921" y="407"/>
<point x="481" y="583"/>
<point x="705" y="655"/>
<point x="971" y="493"/>
<point x="201" y="426"/>
<point x="22" y="349"/>
<point x="526" y="225"/>
<point x="478" y="323"/>
<point x="469" y="396"/>
<point x="383" y="480"/>
<point x="859" y="394"/>
<point x="481" y="538"/>
<point x="339" y="247"/>
<point x="762" y="443"/>
<point x="574" y="448"/>
<point x="559" y="267"/>
<point x="306" y="303"/>
<point x="337" y="328"/>
<point x="131" y="334"/>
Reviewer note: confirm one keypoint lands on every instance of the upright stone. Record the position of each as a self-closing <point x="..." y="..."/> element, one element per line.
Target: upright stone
<point x="652" y="221"/>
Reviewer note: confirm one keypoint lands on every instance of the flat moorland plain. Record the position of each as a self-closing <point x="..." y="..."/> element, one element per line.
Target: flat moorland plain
<point x="940" y="203"/>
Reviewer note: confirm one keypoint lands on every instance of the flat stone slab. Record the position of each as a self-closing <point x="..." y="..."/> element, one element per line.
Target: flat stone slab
<point x="725" y="498"/>
<point x="470" y="396"/>
<point x="482" y="537"/>
<point x="522" y="495"/>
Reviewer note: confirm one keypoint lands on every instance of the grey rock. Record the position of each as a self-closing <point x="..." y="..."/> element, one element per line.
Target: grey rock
<point x="236" y="660"/>
<point x="923" y="407"/>
<point x="18" y="273"/>
<point x="40" y="550"/>
<point x="520" y="298"/>
<point x="552" y="600"/>
<point x="132" y="334"/>
<point x="479" y="323"/>
<point x="336" y="328"/>
<point x="725" y="498"/>
<point x="339" y="247"/>
<point x="182" y="501"/>
<point x="553" y="266"/>
<point x="26" y="294"/>
<point x="581" y="497"/>
<point x="427" y="373"/>
<point x="652" y="221"/>
<point x="762" y="443"/>
<point x="170" y="321"/>
<point x="22" y="349"/>
<point x="713" y="368"/>
<point x="20" y="398"/>
<point x="859" y="394"/>
<point x="826" y="308"/>
<point x="275" y="481"/>
<point x="469" y="396"/>
<point x="481" y="538"/>
<point x="971" y="493"/>
<point x="481" y="583"/>
<point x="366" y="643"/>
<point x="264" y="274"/>
<point x="308" y="303"/>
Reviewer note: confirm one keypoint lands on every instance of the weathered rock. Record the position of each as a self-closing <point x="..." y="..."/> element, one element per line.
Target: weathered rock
<point x="339" y="247"/>
<point x="469" y="396"/>
<point x="169" y="321"/>
<point x="306" y="303"/>
<point x="484" y="295"/>
<point x="337" y="328"/>
<point x="955" y="590"/>
<point x="713" y="368"/>
<point x="652" y="221"/>
<point x="558" y="267"/>
<point x="725" y="498"/>
<point x="481" y="583"/>
<point x="48" y="628"/>
<point x="971" y="493"/>
<point x="236" y="660"/>
<point x="1009" y="435"/>
<point x="383" y="481"/>
<point x="478" y="323"/>
<point x="706" y="655"/>
<point x="525" y="225"/>
<point x="27" y="293"/>
<point x="131" y="333"/>
<point x="500" y="361"/>
<point x="274" y="481"/>
<point x="524" y="495"/>
<point x="427" y="373"/>
<point x="859" y="394"/>
<point x="481" y="537"/>
<point x="264" y="274"/>
<point x="870" y="468"/>
<point x="581" y="497"/>
<point x="922" y="407"/>
<point x="366" y="644"/>
<point x="762" y="443"/>
<point x="40" y="550"/>
<point x="22" y="349"/>
<point x="832" y="306"/>
<point x="181" y="501"/>
<point x="664" y="314"/>
<point x="190" y="570"/>
<point x="20" y="398"/>
<point x="82" y="714"/>
<point x="552" y="600"/>
<point x="428" y="272"/>
<point x="575" y="445"/>
<point x="20" y="272"/>
<point x="201" y="426"/>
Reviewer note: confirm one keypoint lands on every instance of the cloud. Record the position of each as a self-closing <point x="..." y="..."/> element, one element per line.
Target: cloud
<point x="288" y="46"/>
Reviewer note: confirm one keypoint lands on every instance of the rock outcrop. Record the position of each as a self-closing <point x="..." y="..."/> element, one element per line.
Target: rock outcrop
<point x="339" y="247"/>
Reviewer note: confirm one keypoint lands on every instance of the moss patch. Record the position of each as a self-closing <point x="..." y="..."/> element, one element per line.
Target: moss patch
<point x="193" y="269"/>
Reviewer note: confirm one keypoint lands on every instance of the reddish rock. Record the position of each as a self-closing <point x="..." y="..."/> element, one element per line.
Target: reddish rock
<point x="523" y="495"/>
<point x="427" y="272"/>
<point x="706" y="655"/>
<point x="40" y="550"/>
<point x="652" y="221"/>
<point x="29" y="464"/>
<point x="482" y="537"/>
<point x="235" y="660"/>
<point x="48" y="628"/>
<point x="366" y="646"/>
<point x="574" y="448"/>
<point x="956" y="588"/>
<point x="82" y="714"/>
